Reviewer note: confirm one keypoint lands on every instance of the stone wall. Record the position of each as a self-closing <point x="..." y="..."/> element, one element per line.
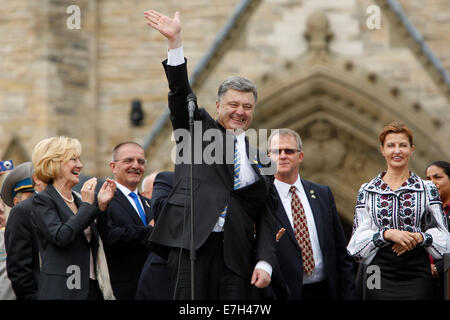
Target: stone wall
<point x="57" y="81"/>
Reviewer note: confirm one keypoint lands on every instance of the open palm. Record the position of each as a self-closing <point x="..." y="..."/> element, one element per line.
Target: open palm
<point x="168" y="27"/>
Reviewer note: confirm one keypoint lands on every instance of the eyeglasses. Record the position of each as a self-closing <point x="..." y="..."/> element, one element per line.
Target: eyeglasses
<point x="140" y="161"/>
<point x="286" y="151"/>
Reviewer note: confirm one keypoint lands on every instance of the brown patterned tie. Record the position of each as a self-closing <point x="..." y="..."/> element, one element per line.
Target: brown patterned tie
<point x="301" y="232"/>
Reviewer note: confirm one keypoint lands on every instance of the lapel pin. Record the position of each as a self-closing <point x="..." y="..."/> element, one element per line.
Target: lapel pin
<point x="146" y="203"/>
<point x="311" y="192"/>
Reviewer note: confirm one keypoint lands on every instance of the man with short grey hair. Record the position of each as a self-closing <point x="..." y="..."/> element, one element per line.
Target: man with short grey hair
<point x="237" y="83"/>
<point x="312" y="254"/>
<point x="127" y="223"/>
<point x="234" y="230"/>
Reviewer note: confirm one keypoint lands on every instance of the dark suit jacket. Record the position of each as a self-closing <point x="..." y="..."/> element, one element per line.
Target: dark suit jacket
<point x="63" y="244"/>
<point x="22" y="248"/>
<point x="154" y="282"/>
<point x="338" y="265"/>
<point x="124" y="235"/>
<point x="213" y="190"/>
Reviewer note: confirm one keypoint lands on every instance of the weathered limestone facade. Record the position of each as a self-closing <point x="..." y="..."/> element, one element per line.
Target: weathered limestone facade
<point x="320" y="70"/>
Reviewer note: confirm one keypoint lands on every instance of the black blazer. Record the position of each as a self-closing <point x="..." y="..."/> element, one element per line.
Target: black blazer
<point x="124" y="235"/>
<point x="63" y="245"/>
<point x="338" y="264"/>
<point x="22" y="249"/>
<point x="154" y="282"/>
<point x="248" y="208"/>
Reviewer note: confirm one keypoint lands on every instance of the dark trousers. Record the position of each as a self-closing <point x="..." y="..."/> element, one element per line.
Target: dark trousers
<point x="94" y="291"/>
<point x="213" y="280"/>
<point x="316" y="291"/>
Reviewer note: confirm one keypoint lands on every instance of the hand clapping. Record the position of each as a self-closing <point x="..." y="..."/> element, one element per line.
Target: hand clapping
<point x="106" y="193"/>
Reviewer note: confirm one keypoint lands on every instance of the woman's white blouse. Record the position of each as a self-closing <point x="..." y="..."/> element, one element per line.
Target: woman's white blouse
<point x="378" y="208"/>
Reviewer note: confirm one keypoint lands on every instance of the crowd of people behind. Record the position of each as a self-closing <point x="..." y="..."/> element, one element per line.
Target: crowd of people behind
<point x="256" y="235"/>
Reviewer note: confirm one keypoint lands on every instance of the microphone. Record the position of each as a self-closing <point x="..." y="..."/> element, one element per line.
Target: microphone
<point x="192" y="102"/>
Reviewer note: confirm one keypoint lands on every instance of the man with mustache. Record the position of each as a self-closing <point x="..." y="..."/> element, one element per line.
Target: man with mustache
<point x="128" y="222"/>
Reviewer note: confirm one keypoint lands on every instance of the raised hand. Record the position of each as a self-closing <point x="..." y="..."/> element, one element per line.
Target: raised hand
<point x="106" y="193"/>
<point x="168" y="27"/>
<point x="88" y="190"/>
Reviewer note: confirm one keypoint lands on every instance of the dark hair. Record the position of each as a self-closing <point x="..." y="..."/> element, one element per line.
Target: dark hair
<point x="237" y="83"/>
<point x="444" y="165"/>
<point x="396" y="127"/>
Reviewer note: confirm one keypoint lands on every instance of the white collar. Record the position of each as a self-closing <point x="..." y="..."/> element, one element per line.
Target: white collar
<point x="125" y="190"/>
<point x="284" y="188"/>
<point x="241" y="138"/>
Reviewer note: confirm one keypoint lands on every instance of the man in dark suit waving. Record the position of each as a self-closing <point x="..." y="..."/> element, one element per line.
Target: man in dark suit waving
<point x="312" y="253"/>
<point x="125" y="227"/>
<point x="234" y="231"/>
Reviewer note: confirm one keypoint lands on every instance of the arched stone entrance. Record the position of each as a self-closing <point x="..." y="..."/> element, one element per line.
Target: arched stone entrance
<point x="339" y="108"/>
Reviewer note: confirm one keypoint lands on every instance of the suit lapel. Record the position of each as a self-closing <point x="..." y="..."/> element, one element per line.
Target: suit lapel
<point x="147" y="208"/>
<point x="63" y="210"/>
<point x="226" y="172"/>
<point x="285" y="223"/>
<point x="127" y="207"/>
<point x="255" y="161"/>
<point x="316" y="210"/>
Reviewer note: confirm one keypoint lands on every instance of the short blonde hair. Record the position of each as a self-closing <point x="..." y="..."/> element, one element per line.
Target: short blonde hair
<point x="49" y="154"/>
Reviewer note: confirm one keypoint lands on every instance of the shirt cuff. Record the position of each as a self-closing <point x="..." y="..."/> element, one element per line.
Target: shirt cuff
<point x="378" y="238"/>
<point x="264" y="265"/>
<point x="175" y="57"/>
<point x="427" y="240"/>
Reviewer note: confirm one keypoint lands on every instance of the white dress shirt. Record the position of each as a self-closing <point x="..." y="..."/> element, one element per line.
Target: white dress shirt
<point x="283" y="189"/>
<point x="126" y="192"/>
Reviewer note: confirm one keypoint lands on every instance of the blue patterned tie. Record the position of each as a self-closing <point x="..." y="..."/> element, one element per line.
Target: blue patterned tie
<point x="236" y="172"/>
<point x="237" y="167"/>
<point x="139" y="207"/>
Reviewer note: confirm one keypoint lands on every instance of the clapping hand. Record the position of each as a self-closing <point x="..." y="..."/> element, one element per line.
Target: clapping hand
<point x="88" y="190"/>
<point x="106" y="193"/>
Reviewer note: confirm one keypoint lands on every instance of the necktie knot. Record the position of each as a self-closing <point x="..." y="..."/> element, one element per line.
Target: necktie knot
<point x="141" y="211"/>
<point x="292" y="189"/>
<point x="133" y="195"/>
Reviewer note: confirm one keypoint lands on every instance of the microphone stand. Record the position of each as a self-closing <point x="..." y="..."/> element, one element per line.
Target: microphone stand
<point x="191" y="108"/>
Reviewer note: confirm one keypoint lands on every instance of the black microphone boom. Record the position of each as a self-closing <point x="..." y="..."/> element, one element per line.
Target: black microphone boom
<point x="192" y="102"/>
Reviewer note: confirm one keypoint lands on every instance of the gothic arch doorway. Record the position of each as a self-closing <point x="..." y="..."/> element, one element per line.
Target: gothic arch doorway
<point x="339" y="110"/>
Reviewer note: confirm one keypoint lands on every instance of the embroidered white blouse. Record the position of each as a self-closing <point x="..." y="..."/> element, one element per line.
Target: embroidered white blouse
<point x="378" y="208"/>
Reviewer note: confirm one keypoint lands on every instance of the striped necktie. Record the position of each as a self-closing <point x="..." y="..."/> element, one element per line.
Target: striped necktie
<point x="236" y="174"/>
<point x="237" y="166"/>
